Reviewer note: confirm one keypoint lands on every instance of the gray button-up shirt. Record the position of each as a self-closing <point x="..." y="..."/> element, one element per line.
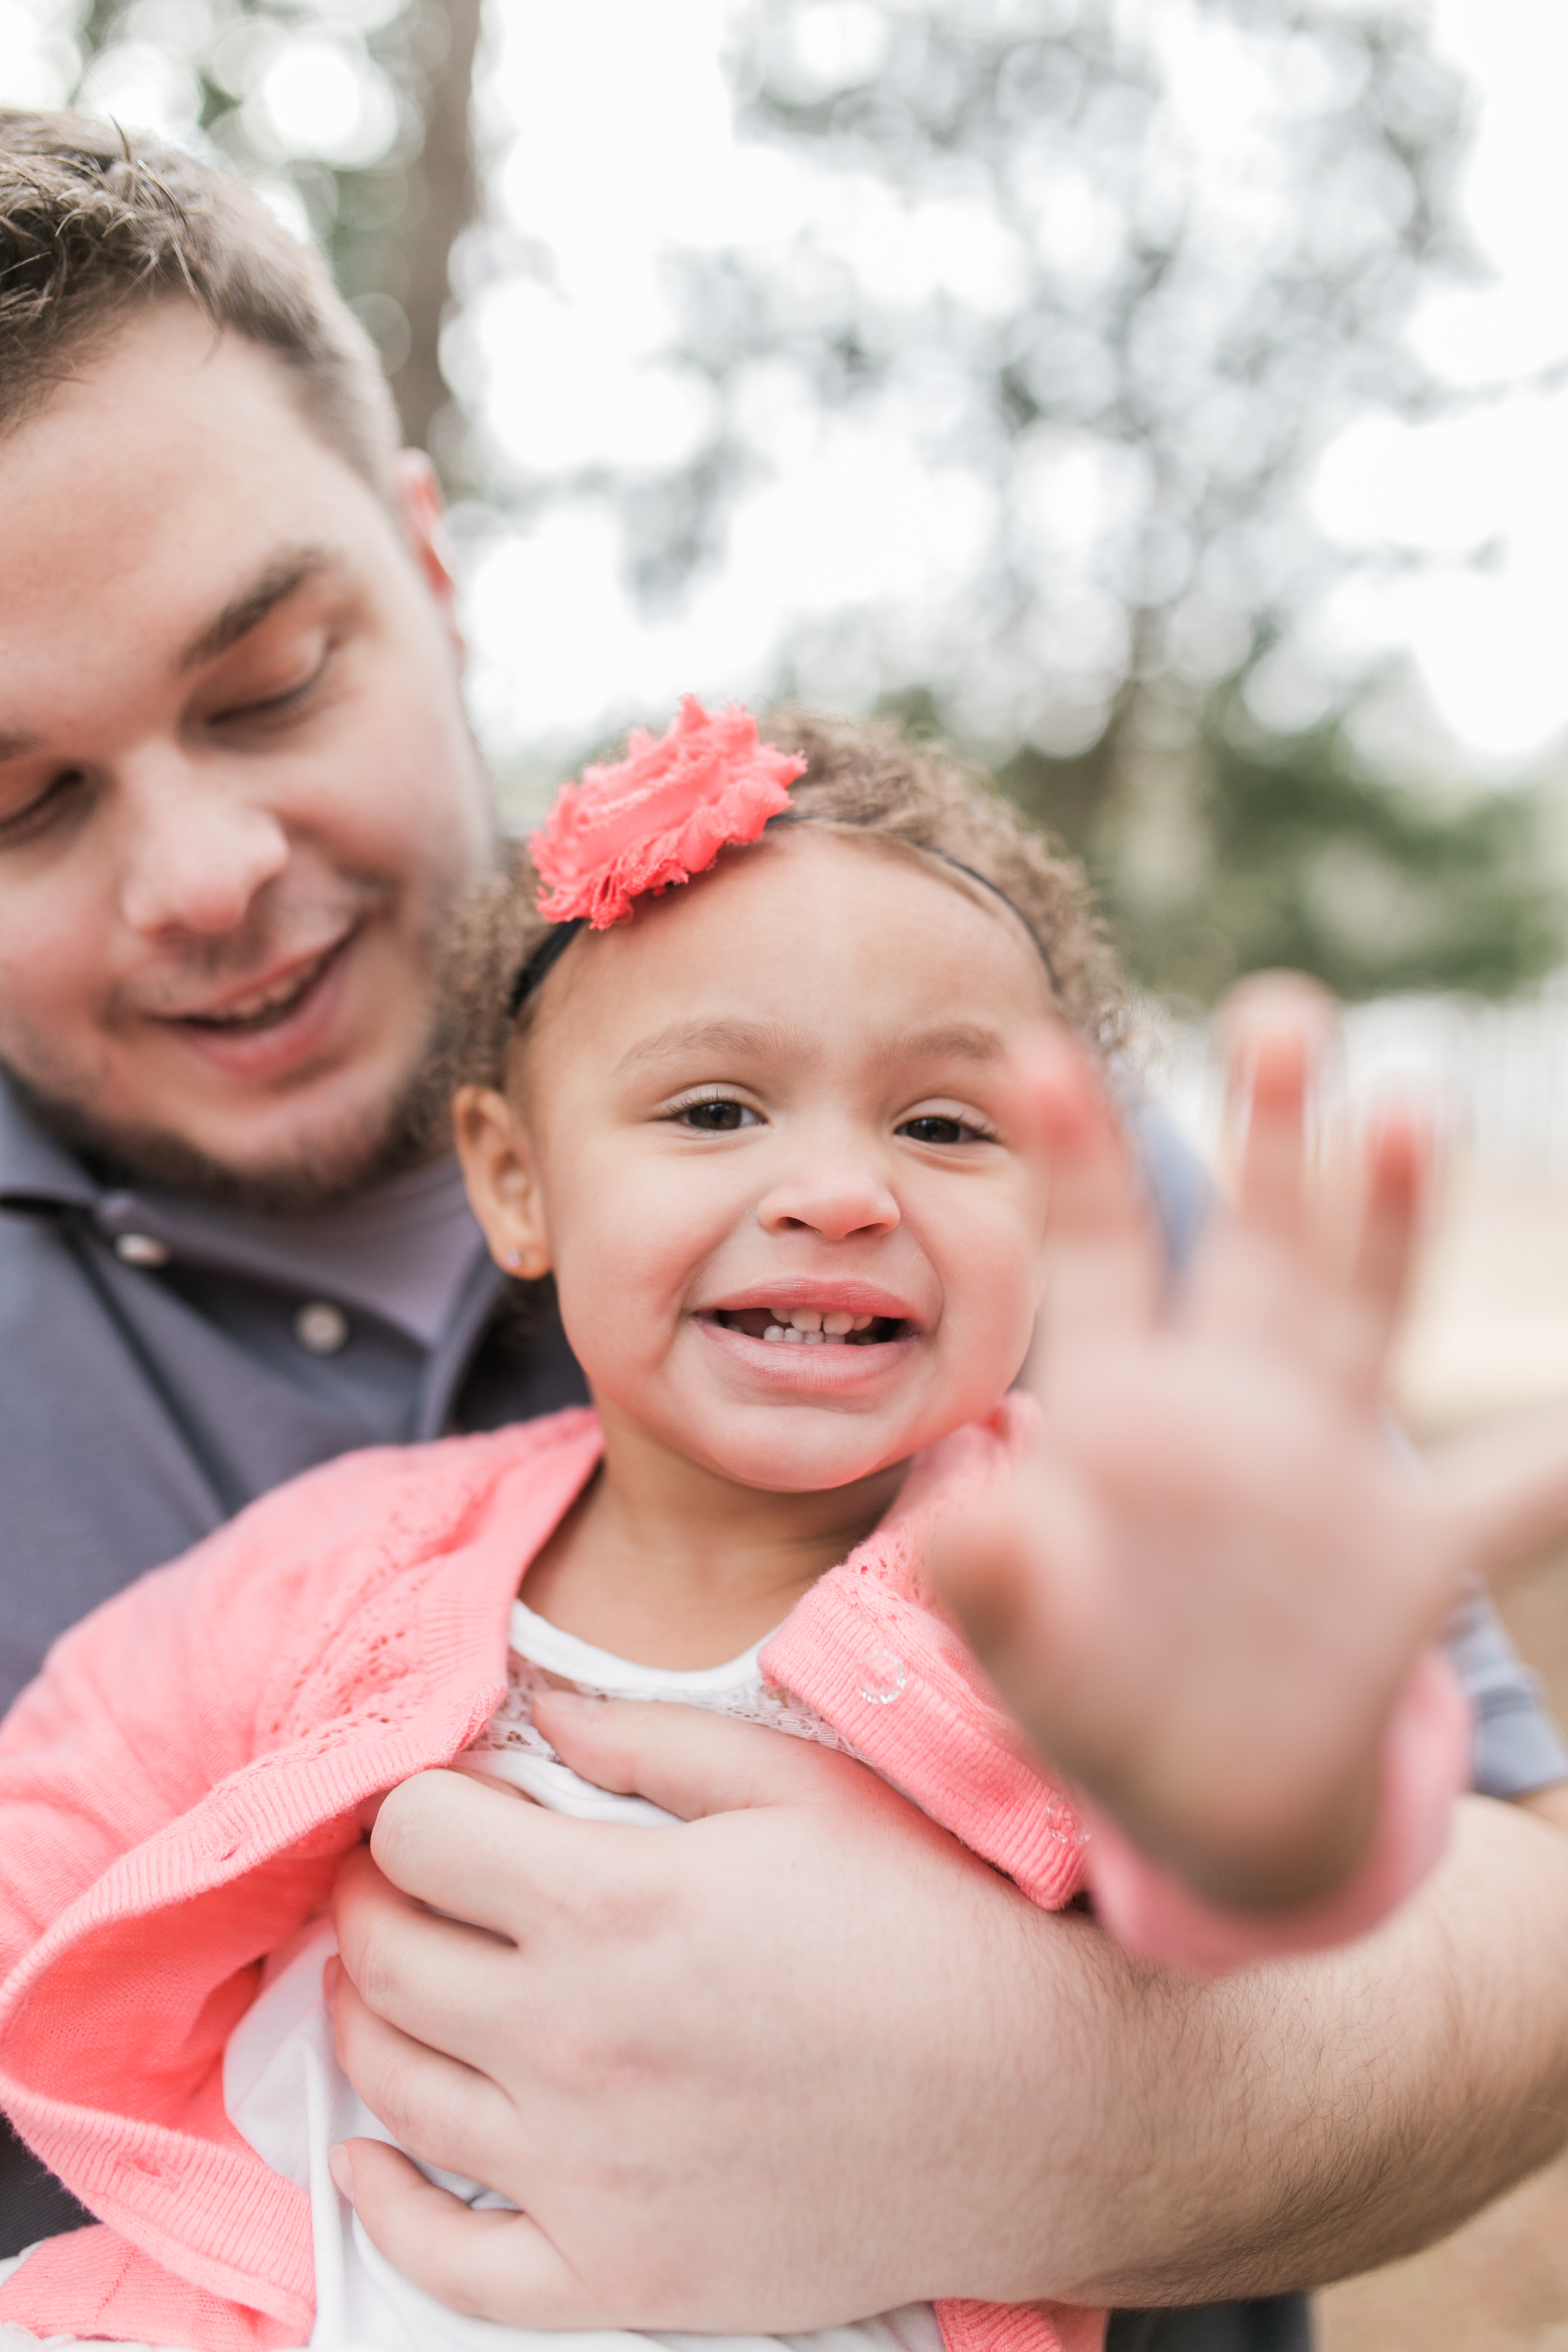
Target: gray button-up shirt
<point x="156" y="1370"/>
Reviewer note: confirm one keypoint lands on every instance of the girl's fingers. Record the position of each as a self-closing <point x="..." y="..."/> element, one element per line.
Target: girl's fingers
<point x="1274" y="1080"/>
<point x="1503" y="1489"/>
<point x="1260" y="1276"/>
<point x="1398" y="1157"/>
<point x="1103" y="1261"/>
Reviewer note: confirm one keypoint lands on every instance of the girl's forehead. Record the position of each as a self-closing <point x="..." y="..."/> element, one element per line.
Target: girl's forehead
<point x="816" y="861"/>
<point x="817" y="922"/>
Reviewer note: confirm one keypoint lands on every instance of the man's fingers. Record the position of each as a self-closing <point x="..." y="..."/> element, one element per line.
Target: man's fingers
<point x="460" y="1843"/>
<point x="448" y="1845"/>
<point x="436" y="1979"/>
<point x="445" y="2112"/>
<point x="1104" y="1260"/>
<point x="489" y="2264"/>
<point x="692" y="1763"/>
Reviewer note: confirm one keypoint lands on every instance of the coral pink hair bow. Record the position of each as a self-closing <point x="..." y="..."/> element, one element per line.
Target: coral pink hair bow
<point x="659" y="815"/>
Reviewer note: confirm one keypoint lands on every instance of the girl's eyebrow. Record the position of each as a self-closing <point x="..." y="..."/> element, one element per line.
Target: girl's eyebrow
<point x="957" y="1041"/>
<point x="766" y="1040"/>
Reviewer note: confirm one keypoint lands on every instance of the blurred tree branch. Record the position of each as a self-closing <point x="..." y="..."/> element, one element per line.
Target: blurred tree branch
<point x="1127" y="271"/>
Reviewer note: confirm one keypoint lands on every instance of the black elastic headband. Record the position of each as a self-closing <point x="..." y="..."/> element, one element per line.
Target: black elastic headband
<point x="554" y="945"/>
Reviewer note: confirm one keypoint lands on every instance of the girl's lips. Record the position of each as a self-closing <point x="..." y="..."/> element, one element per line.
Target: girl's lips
<point x="811" y="1370"/>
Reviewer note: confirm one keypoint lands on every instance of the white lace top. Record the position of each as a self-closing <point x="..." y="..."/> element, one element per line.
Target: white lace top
<point x="543" y="1657"/>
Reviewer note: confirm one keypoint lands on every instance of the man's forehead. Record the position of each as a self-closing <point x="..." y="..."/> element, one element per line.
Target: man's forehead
<point x="171" y="468"/>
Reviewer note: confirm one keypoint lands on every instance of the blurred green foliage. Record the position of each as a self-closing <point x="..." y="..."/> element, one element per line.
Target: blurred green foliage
<point x="1308" y="857"/>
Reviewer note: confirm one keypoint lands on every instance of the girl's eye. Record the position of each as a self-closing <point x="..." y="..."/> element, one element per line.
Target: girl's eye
<point x="716" y="1118"/>
<point x="937" y="1126"/>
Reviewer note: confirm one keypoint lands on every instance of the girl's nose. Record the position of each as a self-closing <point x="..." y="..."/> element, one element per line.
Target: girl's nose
<point x="841" y="1199"/>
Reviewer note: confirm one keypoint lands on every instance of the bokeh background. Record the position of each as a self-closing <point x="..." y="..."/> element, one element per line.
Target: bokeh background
<point x="1166" y="398"/>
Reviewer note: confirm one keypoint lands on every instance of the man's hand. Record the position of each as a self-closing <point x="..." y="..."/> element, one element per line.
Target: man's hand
<point x="732" y="2073"/>
<point x="1206" y="1595"/>
<point x="807" y="2059"/>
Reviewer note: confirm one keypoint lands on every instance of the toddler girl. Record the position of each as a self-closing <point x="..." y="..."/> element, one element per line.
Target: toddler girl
<point x="767" y="1134"/>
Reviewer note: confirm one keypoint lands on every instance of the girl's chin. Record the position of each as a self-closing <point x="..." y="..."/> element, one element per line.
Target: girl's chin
<point x="792" y="1467"/>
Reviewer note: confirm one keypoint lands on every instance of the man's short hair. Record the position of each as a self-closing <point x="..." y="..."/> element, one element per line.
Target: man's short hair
<point x="95" y="225"/>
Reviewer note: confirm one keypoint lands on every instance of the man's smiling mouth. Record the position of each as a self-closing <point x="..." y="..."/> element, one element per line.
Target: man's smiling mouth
<point x="266" y="1008"/>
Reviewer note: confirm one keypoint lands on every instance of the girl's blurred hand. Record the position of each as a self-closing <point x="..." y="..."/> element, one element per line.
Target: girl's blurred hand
<point x="1206" y="1593"/>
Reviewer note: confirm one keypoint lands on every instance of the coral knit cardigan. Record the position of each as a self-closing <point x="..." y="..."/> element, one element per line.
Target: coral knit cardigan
<point x="180" y="1785"/>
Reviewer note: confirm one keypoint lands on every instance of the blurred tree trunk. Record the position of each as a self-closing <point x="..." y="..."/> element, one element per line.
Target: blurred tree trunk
<point x="442" y="196"/>
<point x="386" y="215"/>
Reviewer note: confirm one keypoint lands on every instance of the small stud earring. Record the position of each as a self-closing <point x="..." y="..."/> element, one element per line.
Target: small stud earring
<point x="513" y="1261"/>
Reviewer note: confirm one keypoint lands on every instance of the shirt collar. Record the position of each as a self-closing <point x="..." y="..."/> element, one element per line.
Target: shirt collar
<point x="406" y="1251"/>
<point x="34" y="1168"/>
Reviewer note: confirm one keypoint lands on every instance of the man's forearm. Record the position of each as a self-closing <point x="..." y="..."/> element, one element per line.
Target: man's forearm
<point x="1311" y="2119"/>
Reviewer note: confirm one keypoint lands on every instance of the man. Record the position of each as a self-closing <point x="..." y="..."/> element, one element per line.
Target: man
<point x="238" y="798"/>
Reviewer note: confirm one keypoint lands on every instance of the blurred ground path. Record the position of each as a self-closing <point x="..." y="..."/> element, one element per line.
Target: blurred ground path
<point x="1491" y="1332"/>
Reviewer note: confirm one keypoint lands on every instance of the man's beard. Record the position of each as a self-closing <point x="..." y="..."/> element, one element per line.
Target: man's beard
<point x="376" y="1144"/>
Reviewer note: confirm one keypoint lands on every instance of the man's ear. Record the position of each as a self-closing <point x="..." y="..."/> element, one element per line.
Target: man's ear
<point x="423" y="514"/>
<point x="503" y="1179"/>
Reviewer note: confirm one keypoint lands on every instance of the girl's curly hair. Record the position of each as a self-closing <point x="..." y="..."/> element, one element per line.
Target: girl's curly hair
<point x="864" y="775"/>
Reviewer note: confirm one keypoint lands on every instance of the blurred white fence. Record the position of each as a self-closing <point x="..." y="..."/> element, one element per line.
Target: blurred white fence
<point x="1496" y="1074"/>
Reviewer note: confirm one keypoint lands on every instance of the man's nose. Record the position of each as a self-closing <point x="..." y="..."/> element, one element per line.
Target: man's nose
<point x="196" y="851"/>
<point x="841" y="1193"/>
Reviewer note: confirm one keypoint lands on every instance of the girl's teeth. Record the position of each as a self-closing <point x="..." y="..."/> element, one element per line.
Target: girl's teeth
<point x="806" y="1326"/>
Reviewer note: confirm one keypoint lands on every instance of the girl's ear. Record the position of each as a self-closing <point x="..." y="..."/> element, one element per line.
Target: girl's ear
<point x="503" y="1179"/>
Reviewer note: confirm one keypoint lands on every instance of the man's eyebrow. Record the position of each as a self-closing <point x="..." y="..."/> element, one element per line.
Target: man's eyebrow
<point x="755" y="1037"/>
<point x="281" y="578"/>
<point x="12" y="747"/>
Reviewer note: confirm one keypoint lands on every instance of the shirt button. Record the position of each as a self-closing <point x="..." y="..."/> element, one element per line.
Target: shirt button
<point x="141" y="1249"/>
<point x="322" y="1328"/>
<point x="883" y="1676"/>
